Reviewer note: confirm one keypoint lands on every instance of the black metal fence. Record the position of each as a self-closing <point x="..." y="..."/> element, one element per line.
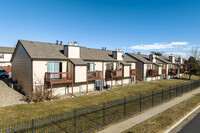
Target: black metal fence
<point x="101" y="115"/>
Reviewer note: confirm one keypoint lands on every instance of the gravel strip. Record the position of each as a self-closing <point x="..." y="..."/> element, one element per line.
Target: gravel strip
<point x="9" y="96"/>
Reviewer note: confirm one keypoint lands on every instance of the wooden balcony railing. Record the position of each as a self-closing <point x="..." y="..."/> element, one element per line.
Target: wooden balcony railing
<point x="172" y="71"/>
<point x="94" y="75"/>
<point x="133" y="72"/>
<point x="59" y="77"/>
<point x="164" y="71"/>
<point x="152" y="72"/>
<point x="114" y="73"/>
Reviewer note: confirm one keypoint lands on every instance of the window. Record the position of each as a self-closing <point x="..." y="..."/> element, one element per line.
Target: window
<point x="109" y="66"/>
<point x="148" y="67"/>
<point x="132" y="79"/>
<point x="98" y="84"/>
<point x="54" y="67"/>
<point x="2" y="64"/>
<point x="1" y="56"/>
<point x="170" y="66"/>
<point x="90" y="66"/>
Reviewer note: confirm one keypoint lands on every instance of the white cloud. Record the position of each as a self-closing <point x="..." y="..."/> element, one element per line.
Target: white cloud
<point x="156" y="46"/>
<point x="179" y="43"/>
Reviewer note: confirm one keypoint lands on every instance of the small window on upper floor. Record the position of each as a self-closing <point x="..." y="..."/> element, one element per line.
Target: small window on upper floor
<point x="1" y="56"/>
<point x="148" y="67"/>
<point x="90" y="66"/>
<point x="109" y="66"/>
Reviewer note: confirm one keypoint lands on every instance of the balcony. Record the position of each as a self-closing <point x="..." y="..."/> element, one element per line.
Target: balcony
<point x="172" y="71"/>
<point x="94" y="75"/>
<point x="164" y="71"/>
<point x="59" y="77"/>
<point x="133" y="72"/>
<point x="152" y="72"/>
<point x="114" y="73"/>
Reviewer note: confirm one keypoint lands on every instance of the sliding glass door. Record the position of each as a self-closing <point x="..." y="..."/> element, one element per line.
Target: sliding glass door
<point x="53" y="67"/>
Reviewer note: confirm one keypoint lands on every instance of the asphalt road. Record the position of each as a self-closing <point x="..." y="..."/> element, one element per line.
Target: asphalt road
<point x="193" y="126"/>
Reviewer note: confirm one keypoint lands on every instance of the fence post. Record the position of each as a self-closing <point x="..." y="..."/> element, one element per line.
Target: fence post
<point x="104" y="112"/>
<point x="140" y="102"/>
<point x="152" y="99"/>
<point x="74" y="121"/>
<point x="124" y="107"/>
<point x="32" y="126"/>
<point x="162" y="96"/>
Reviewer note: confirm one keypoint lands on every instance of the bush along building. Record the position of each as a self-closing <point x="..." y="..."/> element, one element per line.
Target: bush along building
<point x="68" y="69"/>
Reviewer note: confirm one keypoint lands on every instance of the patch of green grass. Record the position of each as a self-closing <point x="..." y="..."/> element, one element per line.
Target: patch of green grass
<point x="15" y="113"/>
<point x="164" y="120"/>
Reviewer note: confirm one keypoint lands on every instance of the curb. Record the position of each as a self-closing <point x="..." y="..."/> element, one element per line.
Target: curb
<point x="182" y="120"/>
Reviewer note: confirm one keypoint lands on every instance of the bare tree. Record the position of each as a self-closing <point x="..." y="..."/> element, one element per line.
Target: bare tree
<point x="195" y="52"/>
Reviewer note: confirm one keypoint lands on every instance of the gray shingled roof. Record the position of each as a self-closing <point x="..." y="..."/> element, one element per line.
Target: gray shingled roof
<point x="78" y="62"/>
<point x="128" y="58"/>
<point x="141" y="57"/>
<point x="44" y="50"/>
<point x="125" y="63"/>
<point x="6" y="50"/>
<point x="164" y="59"/>
<point x="96" y="54"/>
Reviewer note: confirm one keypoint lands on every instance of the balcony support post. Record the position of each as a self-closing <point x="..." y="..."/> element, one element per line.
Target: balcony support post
<point x="72" y="89"/>
<point x="102" y="84"/>
<point x="122" y="81"/>
<point x="111" y="82"/>
<point x="51" y="90"/>
<point x="87" y="88"/>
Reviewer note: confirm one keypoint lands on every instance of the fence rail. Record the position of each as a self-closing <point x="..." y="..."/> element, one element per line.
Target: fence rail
<point x="86" y="120"/>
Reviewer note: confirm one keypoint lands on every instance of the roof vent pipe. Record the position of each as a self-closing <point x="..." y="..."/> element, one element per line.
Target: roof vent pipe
<point x="57" y="42"/>
<point x="69" y="42"/>
<point x="75" y="43"/>
<point x="61" y="42"/>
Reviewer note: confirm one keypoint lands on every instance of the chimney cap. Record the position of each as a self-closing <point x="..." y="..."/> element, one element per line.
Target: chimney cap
<point x="116" y="49"/>
<point x="179" y="56"/>
<point x="75" y="43"/>
<point x="61" y="42"/>
<point x="119" y="50"/>
<point x="69" y="42"/>
<point x="171" y="54"/>
<point x="57" y="41"/>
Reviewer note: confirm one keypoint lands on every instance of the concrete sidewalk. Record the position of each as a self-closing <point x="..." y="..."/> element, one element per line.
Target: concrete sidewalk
<point x="120" y="127"/>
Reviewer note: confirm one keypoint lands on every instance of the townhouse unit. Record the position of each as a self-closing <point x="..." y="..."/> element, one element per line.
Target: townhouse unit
<point x="69" y="69"/>
<point x="152" y="67"/>
<point x="5" y="57"/>
<point x="176" y="68"/>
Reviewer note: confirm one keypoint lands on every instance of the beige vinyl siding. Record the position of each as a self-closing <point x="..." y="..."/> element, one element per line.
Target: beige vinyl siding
<point x="22" y="69"/>
<point x="126" y="71"/>
<point x="133" y="65"/>
<point x="80" y="74"/>
<point x="39" y="69"/>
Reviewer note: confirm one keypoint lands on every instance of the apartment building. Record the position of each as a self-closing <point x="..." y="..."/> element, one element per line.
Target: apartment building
<point x="69" y="69"/>
<point x="152" y="67"/>
<point x="5" y="57"/>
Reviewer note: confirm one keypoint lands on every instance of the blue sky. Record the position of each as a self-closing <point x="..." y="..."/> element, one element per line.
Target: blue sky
<point x="132" y="25"/>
